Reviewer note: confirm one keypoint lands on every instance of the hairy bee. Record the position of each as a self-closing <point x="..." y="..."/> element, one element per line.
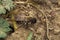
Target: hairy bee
<point x="25" y="19"/>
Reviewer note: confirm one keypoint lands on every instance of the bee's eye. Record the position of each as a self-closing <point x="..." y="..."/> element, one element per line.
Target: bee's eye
<point x="33" y="20"/>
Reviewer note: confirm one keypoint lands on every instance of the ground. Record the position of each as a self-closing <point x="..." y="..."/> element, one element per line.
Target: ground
<point x="46" y="26"/>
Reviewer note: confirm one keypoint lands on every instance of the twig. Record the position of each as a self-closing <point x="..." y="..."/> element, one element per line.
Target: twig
<point x="20" y="2"/>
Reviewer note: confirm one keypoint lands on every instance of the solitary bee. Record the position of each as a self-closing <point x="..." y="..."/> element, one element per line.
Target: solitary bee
<point x="25" y="16"/>
<point x="25" y="20"/>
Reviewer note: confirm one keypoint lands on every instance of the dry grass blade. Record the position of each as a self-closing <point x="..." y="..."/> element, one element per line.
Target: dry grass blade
<point x="14" y="22"/>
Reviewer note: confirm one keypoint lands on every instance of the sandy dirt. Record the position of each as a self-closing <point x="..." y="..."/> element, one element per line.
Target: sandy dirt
<point x="47" y="24"/>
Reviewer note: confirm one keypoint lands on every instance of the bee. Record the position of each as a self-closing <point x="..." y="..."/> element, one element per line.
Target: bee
<point x="25" y="20"/>
<point x="28" y="22"/>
